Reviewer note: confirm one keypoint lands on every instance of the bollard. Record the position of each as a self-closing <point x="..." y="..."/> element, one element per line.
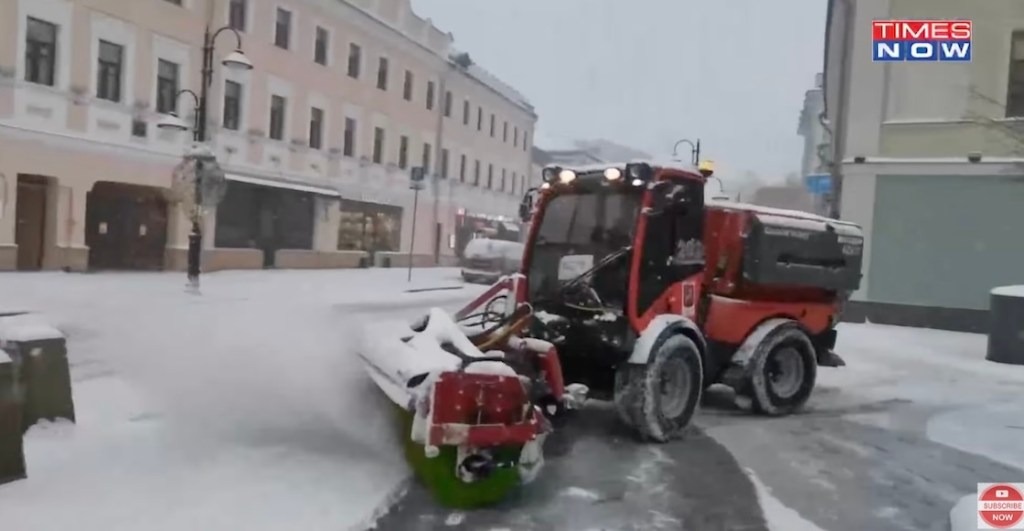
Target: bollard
<point x="12" y="453"/>
<point x="40" y="352"/>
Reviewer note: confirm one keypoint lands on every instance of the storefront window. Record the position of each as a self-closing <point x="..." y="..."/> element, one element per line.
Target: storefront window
<point x="369" y="227"/>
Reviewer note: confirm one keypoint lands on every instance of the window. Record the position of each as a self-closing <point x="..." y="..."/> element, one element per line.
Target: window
<point x="479" y="118"/>
<point x="492" y="126"/>
<point x="407" y="88"/>
<point x="175" y="2"/>
<point x="490" y="176"/>
<point x="1015" y="88"/>
<point x="277" y="117"/>
<point x="403" y="152"/>
<point x="349" y="146"/>
<point x="476" y="172"/>
<point x="378" y="145"/>
<point x="321" y="46"/>
<point x="316" y="128"/>
<point x="444" y="163"/>
<point x="166" y="87"/>
<point x="426" y="158"/>
<point x="503" y="183"/>
<point x="526" y="142"/>
<point x="465" y="112"/>
<point x="382" y="73"/>
<point x="355" y="58"/>
<point x="236" y="14"/>
<point x="232" y="105"/>
<point x="430" y="95"/>
<point x="504" y="131"/>
<point x="108" y="71"/>
<point x="462" y="168"/>
<point x="40" y="52"/>
<point x="515" y="136"/>
<point x="448" y="104"/>
<point x="283" y="29"/>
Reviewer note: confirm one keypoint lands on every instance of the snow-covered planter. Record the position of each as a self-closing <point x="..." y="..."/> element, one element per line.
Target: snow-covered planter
<point x="39" y="352"/>
<point x="1006" y="328"/>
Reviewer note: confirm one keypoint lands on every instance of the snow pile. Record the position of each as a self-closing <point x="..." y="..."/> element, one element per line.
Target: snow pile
<point x="244" y="407"/>
<point x="392" y="362"/>
<point x="26" y="327"/>
<point x="1009" y="291"/>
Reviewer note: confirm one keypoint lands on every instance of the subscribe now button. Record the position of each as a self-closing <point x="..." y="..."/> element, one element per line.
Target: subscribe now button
<point x="1000" y="505"/>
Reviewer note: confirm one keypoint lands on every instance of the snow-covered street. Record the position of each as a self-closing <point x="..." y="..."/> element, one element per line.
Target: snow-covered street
<point x="245" y="408"/>
<point x="241" y="408"/>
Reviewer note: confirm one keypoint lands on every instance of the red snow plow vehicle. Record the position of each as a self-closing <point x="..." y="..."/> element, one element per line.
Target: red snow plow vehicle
<point x="637" y="291"/>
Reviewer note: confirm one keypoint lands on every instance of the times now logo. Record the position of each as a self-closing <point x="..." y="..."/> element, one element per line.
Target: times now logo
<point x="921" y="40"/>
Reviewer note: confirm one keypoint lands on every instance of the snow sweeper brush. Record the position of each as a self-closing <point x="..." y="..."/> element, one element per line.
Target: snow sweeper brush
<point x="472" y="398"/>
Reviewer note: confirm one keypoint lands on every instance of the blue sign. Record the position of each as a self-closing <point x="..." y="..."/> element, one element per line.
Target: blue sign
<point x="818" y="184"/>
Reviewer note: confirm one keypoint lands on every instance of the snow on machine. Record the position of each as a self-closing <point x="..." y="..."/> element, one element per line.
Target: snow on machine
<point x="640" y="292"/>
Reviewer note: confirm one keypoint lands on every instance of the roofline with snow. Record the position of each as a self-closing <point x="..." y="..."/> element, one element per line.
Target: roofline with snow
<point x="519" y="101"/>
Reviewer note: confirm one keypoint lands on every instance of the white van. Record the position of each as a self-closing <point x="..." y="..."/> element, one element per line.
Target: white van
<point x="485" y="260"/>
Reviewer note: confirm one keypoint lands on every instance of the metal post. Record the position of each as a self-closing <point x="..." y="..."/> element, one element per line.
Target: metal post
<point x="195" y="237"/>
<point x="439" y="150"/>
<point x="412" y="239"/>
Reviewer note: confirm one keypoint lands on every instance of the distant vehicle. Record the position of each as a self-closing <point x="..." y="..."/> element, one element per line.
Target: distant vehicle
<point x="485" y="260"/>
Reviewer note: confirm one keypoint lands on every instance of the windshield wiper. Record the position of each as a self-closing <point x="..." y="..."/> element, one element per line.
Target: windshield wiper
<point x="615" y="255"/>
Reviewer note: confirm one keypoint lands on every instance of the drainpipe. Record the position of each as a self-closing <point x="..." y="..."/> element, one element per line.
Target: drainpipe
<point x="435" y="180"/>
<point x="840" y="131"/>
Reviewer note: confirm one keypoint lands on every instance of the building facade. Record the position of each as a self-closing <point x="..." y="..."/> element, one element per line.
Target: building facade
<point x="930" y="161"/>
<point x="317" y="141"/>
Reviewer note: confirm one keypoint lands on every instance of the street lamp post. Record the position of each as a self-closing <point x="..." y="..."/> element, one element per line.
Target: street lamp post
<point x="235" y="60"/>
<point x="694" y="150"/>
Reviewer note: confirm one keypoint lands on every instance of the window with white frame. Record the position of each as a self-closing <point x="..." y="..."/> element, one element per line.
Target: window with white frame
<point x="237" y="13"/>
<point x="167" y="80"/>
<point x="232" y="105"/>
<point x="40" y="52"/>
<point x="321" y="46"/>
<point x="348" y="147"/>
<point x="355" y="57"/>
<point x="403" y="152"/>
<point x="109" y="67"/>
<point x="316" y="128"/>
<point x="407" y="86"/>
<point x="283" y="28"/>
<point x="382" y="73"/>
<point x="278" y="106"/>
<point x="378" y="145"/>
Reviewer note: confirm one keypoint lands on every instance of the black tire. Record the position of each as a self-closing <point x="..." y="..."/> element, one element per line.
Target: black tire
<point x="642" y="399"/>
<point x="783" y="373"/>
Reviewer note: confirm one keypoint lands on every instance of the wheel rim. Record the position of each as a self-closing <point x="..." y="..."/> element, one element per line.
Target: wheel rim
<point x="785" y="371"/>
<point x="674" y="388"/>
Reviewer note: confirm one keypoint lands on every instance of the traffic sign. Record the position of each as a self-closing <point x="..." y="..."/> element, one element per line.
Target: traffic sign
<point x="818" y="184"/>
<point x="1001" y="506"/>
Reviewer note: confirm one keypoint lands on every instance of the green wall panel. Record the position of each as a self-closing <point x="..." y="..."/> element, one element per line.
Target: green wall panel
<point x="946" y="240"/>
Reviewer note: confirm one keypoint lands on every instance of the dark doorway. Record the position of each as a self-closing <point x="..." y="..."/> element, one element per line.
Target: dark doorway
<point x="126" y="227"/>
<point x="30" y="213"/>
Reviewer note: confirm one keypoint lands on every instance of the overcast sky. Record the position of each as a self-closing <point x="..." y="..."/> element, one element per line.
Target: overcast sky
<point x="646" y="73"/>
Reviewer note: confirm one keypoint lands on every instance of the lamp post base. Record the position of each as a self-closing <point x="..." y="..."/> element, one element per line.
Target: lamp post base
<point x="195" y="246"/>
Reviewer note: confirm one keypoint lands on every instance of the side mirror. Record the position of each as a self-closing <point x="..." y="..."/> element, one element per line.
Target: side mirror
<point x="526" y="205"/>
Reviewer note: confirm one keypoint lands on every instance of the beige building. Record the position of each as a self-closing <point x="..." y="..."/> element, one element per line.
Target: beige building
<point x="317" y="141"/>
<point x="930" y="159"/>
